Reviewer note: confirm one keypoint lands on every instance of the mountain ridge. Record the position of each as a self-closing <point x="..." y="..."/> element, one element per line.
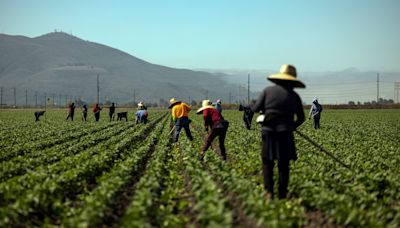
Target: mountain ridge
<point x="61" y="63"/>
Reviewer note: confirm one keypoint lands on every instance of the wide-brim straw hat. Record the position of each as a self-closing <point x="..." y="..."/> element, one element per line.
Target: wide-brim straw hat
<point x="204" y="105"/>
<point x="287" y="75"/>
<point x="172" y="102"/>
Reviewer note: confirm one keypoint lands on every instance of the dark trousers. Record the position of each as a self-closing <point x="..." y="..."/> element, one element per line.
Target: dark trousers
<point x="247" y="120"/>
<point x="97" y="116"/>
<point x="221" y="133"/>
<point x="70" y="115"/>
<point x="268" y="170"/>
<point x="141" y="119"/>
<point x="111" y="115"/>
<point x="84" y="116"/>
<point x="178" y="129"/>
<point x="316" y="122"/>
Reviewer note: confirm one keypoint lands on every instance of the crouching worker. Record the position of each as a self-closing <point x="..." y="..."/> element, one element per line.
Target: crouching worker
<point x="141" y="114"/>
<point x="219" y="126"/>
<point x="180" y="118"/>
<point x="280" y="104"/>
<point x="39" y="114"/>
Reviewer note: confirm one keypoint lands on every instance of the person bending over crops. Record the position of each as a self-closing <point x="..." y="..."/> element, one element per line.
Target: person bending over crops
<point x="213" y="119"/>
<point x="96" y="111"/>
<point x="180" y="118"/>
<point x="280" y="104"/>
<point x="71" y="111"/>
<point x="141" y="114"/>
<point x="111" y="112"/>
<point x="247" y="115"/>
<point x="38" y="114"/>
<point x="315" y="113"/>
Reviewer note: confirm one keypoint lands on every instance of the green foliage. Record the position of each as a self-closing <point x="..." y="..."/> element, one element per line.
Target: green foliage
<point x="75" y="174"/>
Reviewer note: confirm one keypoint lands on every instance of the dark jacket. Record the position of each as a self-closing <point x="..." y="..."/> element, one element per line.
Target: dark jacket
<point x="280" y="104"/>
<point x="315" y="110"/>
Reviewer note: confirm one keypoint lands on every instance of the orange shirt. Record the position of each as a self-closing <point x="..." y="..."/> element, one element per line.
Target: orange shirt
<point x="180" y="110"/>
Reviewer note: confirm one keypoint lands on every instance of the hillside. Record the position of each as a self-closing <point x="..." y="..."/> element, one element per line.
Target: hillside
<point x="60" y="63"/>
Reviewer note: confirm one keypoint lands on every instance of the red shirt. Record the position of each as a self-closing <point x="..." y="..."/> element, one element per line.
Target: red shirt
<point x="211" y="117"/>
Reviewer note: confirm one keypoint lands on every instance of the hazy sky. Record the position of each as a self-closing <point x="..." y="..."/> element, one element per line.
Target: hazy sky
<point x="313" y="35"/>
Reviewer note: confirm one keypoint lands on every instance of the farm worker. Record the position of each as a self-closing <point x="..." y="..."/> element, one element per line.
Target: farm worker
<point x="180" y="118"/>
<point x="218" y="105"/>
<point x="39" y="114"/>
<point x="247" y="115"/>
<point x="280" y="104"/>
<point x="71" y="111"/>
<point x="141" y="114"/>
<point x="84" y="112"/>
<point x="213" y="119"/>
<point x="111" y="112"/>
<point x="315" y="112"/>
<point x="141" y="106"/>
<point x="96" y="111"/>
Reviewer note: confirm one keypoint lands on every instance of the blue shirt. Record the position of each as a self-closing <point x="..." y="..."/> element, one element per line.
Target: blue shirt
<point x="141" y="113"/>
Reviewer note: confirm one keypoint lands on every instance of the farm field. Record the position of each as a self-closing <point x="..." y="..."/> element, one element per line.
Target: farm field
<point x="118" y="174"/>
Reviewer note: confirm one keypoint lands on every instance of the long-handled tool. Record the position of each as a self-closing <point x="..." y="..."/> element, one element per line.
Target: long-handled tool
<point x="323" y="150"/>
<point x="172" y="129"/>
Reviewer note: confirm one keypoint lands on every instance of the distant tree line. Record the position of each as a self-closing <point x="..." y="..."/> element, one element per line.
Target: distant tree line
<point x="381" y="101"/>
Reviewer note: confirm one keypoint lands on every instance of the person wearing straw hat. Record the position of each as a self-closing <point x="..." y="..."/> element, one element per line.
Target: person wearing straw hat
<point x="141" y="106"/>
<point x="219" y="126"/>
<point x="180" y="118"/>
<point x="280" y="104"/>
<point x="141" y="114"/>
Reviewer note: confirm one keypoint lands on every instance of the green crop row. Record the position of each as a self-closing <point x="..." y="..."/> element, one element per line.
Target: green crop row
<point x="140" y="212"/>
<point x="94" y="206"/>
<point x="46" y="189"/>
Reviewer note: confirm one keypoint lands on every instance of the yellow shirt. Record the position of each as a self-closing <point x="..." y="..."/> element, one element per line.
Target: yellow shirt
<point x="180" y="110"/>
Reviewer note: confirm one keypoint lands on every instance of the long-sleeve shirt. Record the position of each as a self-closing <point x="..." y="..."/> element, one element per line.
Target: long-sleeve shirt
<point x="180" y="110"/>
<point x="315" y="110"/>
<point x="280" y="104"/>
<point x="211" y="117"/>
<point x="141" y="113"/>
<point x="71" y="108"/>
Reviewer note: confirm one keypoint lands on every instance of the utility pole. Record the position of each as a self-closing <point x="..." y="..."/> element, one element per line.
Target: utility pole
<point x="26" y="98"/>
<point x="98" y="89"/>
<point x="15" y="97"/>
<point x="397" y="91"/>
<point x="377" y="88"/>
<point x="248" y="89"/>
<point x="1" y="97"/>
